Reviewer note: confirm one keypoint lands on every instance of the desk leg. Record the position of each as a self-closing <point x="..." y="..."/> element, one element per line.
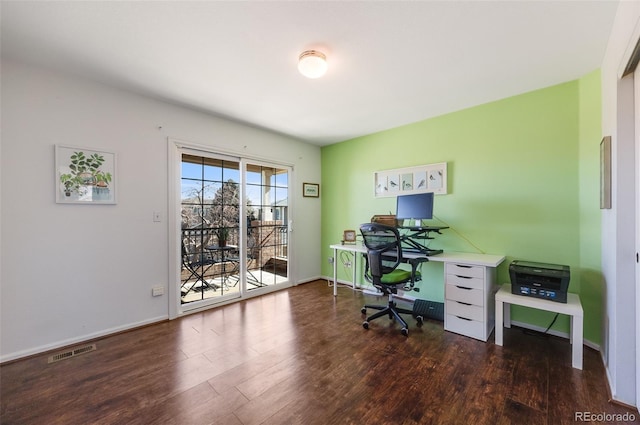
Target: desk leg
<point x="499" y="322"/>
<point x="576" y="341"/>
<point x="507" y="315"/>
<point x="335" y="273"/>
<point x="353" y="273"/>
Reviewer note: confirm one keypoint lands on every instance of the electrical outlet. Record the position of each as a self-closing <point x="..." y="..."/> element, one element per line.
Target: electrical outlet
<point x="157" y="217"/>
<point x="156" y="291"/>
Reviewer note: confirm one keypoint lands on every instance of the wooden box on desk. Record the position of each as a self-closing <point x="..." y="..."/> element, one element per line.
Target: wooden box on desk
<point x="387" y="219"/>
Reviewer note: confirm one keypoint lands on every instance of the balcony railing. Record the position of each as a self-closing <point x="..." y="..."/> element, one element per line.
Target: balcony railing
<point x="210" y="271"/>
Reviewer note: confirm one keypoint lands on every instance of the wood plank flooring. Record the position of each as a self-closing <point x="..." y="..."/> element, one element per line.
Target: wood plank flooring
<point x="301" y="356"/>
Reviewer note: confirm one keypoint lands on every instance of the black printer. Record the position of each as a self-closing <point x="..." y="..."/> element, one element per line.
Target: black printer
<point x="540" y="280"/>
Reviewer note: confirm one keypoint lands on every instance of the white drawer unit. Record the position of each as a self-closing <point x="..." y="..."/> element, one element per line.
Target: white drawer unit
<point x="469" y="300"/>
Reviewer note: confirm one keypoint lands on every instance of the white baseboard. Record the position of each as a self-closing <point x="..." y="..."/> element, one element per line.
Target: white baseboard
<point x="610" y="393"/>
<point x="310" y="279"/>
<point x="79" y="339"/>
<point x="340" y="281"/>
<point x="565" y="335"/>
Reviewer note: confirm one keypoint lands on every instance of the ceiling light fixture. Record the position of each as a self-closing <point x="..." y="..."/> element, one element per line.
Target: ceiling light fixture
<point x="312" y="64"/>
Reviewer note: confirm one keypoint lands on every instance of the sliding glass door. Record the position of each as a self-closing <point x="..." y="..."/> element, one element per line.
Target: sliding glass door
<point x="234" y="228"/>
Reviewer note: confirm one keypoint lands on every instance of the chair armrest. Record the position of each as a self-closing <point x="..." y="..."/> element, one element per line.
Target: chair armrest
<point x="415" y="263"/>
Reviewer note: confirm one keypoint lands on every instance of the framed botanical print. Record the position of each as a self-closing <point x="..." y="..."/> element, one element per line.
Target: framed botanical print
<point x="84" y="175"/>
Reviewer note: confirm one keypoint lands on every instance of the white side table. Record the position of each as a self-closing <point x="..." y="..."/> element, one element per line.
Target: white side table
<point x="573" y="308"/>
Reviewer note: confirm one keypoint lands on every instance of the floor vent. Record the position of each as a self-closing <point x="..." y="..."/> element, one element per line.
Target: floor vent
<point x="71" y="353"/>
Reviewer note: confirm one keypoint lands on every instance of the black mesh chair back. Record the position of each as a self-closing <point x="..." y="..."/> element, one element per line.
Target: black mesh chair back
<point x="384" y="251"/>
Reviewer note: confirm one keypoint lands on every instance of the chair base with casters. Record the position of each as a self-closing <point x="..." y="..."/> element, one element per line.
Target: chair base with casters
<point x="391" y="310"/>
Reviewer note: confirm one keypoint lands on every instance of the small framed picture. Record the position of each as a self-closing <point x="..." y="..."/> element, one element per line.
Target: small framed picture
<point x="349" y="237"/>
<point x="311" y="190"/>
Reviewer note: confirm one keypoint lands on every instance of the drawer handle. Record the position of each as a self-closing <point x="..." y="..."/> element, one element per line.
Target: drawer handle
<point x="460" y="302"/>
<point x="464" y="277"/>
<point x="464" y="318"/>
<point x="462" y="287"/>
<point x="464" y="266"/>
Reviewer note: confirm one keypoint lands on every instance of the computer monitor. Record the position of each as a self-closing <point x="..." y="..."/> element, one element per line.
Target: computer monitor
<point x="415" y="207"/>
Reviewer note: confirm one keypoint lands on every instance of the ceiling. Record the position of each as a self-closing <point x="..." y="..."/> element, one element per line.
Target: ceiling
<point x="390" y="62"/>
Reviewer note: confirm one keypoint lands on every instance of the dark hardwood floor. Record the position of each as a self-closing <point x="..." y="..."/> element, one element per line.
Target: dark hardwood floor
<point x="301" y="356"/>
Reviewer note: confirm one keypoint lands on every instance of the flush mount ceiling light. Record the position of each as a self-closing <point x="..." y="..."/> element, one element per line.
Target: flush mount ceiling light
<point x="312" y="64"/>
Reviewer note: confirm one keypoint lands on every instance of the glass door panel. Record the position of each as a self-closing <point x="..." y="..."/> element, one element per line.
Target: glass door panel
<point x="210" y="222"/>
<point x="267" y="196"/>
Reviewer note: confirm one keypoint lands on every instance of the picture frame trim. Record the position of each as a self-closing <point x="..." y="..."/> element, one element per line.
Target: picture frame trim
<point x="311" y="190"/>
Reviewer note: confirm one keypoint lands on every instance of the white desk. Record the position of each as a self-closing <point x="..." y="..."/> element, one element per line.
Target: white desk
<point x="469" y="287"/>
<point x="465" y="258"/>
<point x="573" y="308"/>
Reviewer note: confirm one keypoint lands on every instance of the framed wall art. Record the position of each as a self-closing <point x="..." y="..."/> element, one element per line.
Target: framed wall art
<point x="310" y="190"/>
<point x="407" y="181"/>
<point x="84" y="176"/>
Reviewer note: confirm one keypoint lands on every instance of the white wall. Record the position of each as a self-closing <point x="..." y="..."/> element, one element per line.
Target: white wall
<point x="618" y="223"/>
<point x="72" y="272"/>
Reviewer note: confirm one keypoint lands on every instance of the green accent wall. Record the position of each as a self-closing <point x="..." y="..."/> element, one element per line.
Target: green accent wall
<point x="523" y="181"/>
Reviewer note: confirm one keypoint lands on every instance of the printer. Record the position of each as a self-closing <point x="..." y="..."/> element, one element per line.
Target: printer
<point x="540" y="280"/>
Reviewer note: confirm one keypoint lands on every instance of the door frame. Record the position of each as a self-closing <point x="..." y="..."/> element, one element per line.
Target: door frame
<point x="175" y="148"/>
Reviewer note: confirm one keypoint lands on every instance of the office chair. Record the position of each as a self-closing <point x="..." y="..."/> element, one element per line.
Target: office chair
<point x="384" y="255"/>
